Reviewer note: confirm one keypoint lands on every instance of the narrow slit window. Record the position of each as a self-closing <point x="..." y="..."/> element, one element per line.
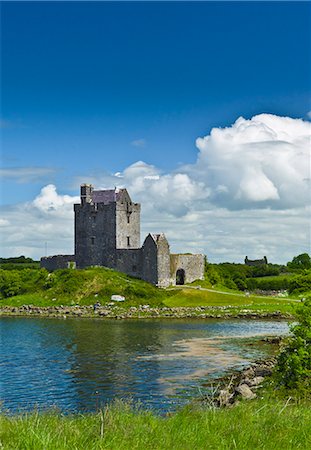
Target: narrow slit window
<point x="128" y="240"/>
<point x="128" y="218"/>
<point x="92" y="240"/>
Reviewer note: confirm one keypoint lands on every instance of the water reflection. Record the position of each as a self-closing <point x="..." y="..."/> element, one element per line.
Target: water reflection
<point x="79" y="364"/>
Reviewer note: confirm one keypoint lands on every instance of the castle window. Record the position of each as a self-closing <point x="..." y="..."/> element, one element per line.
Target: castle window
<point x="92" y="240"/>
<point x="128" y="218"/>
<point x="128" y="240"/>
<point x="134" y="268"/>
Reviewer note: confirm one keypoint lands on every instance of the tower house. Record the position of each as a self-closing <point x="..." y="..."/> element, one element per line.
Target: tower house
<point x="105" y="221"/>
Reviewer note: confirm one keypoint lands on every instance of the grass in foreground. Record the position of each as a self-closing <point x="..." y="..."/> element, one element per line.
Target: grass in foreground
<point x="260" y="424"/>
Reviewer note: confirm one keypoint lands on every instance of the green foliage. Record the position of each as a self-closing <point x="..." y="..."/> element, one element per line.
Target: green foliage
<point x="266" y="270"/>
<point x="302" y="261"/>
<point x="10" y="283"/>
<point x="232" y="276"/>
<point x="15" y="282"/>
<point x="243" y="277"/>
<point x="18" y="263"/>
<point x="293" y="369"/>
<point x="300" y="283"/>
<point x="268" y="283"/>
<point x="16" y="260"/>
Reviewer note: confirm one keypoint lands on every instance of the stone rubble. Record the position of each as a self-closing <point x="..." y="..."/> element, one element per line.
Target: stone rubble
<point x="137" y="312"/>
<point x="244" y="383"/>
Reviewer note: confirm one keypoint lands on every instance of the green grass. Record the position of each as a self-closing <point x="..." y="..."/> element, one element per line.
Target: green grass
<point x="193" y="297"/>
<point x="84" y="287"/>
<point x="259" y="424"/>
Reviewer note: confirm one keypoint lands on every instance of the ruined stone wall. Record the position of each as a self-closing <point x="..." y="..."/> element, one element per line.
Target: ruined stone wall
<point x="193" y="265"/>
<point x="163" y="258"/>
<point x="256" y="262"/>
<point x="51" y="263"/>
<point x="149" y="261"/>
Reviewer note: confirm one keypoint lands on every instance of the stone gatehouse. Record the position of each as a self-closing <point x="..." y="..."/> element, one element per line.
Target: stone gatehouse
<point x="107" y="233"/>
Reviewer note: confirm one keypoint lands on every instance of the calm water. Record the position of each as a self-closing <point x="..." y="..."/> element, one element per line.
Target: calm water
<point x="80" y="364"/>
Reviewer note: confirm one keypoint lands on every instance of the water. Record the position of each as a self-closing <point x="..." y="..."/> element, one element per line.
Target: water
<point x="81" y="364"/>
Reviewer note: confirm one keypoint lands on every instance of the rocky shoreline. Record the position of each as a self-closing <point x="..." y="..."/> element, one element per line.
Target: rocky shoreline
<point x="244" y="384"/>
<point x="139" y="312"/>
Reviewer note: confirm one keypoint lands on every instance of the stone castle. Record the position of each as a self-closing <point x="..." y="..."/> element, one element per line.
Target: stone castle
<point x="107" y="233"/>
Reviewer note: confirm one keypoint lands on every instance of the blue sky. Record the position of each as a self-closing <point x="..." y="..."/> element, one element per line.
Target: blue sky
<point x="88" y="89"/>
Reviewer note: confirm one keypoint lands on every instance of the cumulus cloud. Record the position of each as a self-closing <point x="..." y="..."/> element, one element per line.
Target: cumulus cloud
<point x="248" y="185"/>
<point x="46" y="219"/>
<point x="261" y="162"/>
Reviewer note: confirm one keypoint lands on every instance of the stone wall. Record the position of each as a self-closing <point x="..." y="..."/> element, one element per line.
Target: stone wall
<point x="149" y="260"/>
<point x="163" y="260"/>
<point x="192" y="265"/>
<point x="127" y="223"/>
<point x="51" y="263"/>
<point x="129" y="261"/>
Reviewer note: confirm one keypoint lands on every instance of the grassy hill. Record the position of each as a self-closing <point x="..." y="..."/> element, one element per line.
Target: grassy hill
<point x="85" y="287"/>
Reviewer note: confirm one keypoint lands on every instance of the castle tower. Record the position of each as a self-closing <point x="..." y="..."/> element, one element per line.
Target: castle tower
<point x="105" y="221"/>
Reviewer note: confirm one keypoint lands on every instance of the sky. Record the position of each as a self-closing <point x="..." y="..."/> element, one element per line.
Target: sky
<point x="200" y="109"/>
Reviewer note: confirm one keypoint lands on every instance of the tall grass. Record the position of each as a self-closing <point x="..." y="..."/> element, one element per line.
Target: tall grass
<point x="260" y="424"/>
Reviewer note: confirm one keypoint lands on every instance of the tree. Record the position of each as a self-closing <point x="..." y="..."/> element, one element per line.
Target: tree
<point x="302" y="261"/>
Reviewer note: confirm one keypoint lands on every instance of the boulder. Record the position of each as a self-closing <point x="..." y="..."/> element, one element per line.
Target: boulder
<point x="245" y="392"/>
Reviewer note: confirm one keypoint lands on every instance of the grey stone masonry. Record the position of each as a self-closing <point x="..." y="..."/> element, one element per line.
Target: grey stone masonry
<point x="107" y="233"/>
<point x="191" y="267"/>
<point x="58" y="262"/>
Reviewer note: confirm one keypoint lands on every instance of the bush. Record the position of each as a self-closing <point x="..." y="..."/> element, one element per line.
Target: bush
<point x="300" y="283"/>
<point x="293" y="370"/>
<point x="14" y="282"/>
<point x="266" y="284"/>
<point x="10" y="283"/>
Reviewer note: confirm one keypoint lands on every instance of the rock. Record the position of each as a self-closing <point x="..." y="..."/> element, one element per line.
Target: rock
<point x="224" y="398"/>
<point x="256" y="381"/>
<point x="245" y="392"/>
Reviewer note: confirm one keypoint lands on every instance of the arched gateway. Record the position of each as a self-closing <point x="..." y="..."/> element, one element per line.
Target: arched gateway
<point x="180" y="276"/>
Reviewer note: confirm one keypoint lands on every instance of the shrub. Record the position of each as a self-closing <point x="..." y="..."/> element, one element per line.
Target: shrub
<point x="300" y="283"/>
<point x="10" y="283"/>
<point x="293" y="370"/>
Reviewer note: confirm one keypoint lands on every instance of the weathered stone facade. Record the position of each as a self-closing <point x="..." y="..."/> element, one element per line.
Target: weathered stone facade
<point x="58" y="262"/>
<point x="107" y="233"/>
<point x="256" y="262"/>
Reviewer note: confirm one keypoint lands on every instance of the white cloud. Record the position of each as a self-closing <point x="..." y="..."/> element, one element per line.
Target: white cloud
<point x="46" y="219"/>
<point x="139" y="143"/>
<point x="26" y="174"/>
<point x="245" y="195"/>
<point x="259" y="162"/>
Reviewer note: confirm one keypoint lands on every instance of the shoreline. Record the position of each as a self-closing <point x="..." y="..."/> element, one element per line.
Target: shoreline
<point x="139" y="312"/>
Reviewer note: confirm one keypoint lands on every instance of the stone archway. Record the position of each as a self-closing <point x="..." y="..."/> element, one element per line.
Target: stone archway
<point x="180" y="277"/>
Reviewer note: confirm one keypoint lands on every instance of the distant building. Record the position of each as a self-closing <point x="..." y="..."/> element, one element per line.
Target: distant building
<point x="107" y="233"/>
<point x="256" y="262"/>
